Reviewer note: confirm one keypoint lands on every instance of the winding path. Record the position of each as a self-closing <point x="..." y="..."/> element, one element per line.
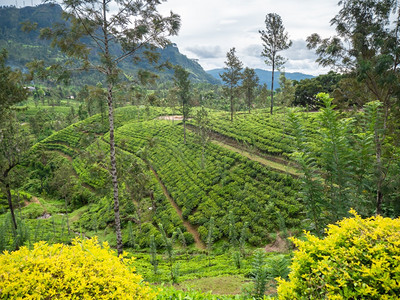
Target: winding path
<point x="189" y="227"/>
<point x="262" y="160"/>
<point x="276" y="163"/>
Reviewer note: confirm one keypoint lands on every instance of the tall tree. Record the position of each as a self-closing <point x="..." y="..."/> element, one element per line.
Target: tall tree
<point x="182" y="83"/>
<point x="133" y="30"/>
<point x="249" y="84"/>
<point x="13" y="142"/>
<point x="14" y="146"/>
<point x="338" y="166"/>
<point x="274" y="39"/>
<point x="231" y="77"/>
<point x="367" y="47"/>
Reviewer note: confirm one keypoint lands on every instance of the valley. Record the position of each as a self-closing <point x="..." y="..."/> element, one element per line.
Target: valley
<point x="129" y="172"/>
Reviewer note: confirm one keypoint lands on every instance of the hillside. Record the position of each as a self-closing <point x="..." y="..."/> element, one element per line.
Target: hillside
<point x="213" y="204"/>
<point x="265" y="76"/>
<point x="26" y="46"/>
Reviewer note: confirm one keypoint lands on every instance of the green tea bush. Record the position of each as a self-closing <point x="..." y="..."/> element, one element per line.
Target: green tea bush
<point x="358" y="259"/>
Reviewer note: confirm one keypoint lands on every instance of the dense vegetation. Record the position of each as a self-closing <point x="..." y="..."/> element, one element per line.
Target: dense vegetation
<point x="25" y="46"/>
<point x="204" y="199"/>
<point x="83" y="270"/>
<point x="356" y="259"/>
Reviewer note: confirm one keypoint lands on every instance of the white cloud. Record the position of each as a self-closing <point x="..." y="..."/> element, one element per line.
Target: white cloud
<point x="211" y="27"/>
<point x="205" y="51"/>
<point x="208" y="25"/>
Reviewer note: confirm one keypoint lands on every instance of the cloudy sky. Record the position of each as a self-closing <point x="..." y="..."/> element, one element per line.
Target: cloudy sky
<point x="211" y="27"/>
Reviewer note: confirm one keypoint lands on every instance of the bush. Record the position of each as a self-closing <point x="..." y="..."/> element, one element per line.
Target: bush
<point x="188" y="238"/>
<point x="358" y="259"/>
<point x="84" y="270"/>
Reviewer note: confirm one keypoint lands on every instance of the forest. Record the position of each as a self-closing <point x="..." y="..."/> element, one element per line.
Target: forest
<point x="128" y="172"/>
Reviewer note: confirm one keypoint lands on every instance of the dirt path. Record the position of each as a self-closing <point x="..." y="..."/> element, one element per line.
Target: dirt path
<point x="189" y="227"/>
<point x="262" y="160"/>
<point x="33" y="200"/>
<point x="235" y="144"/>
<point x="63" y="155"/>
<point x="275" y="163"/>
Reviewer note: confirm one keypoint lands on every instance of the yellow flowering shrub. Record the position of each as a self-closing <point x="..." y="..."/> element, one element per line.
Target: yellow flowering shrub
<point x="358" y="259"/>
<point x="84" y="270"/>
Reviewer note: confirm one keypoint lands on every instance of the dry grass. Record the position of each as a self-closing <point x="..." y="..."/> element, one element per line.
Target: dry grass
<point x="224" y="285"/>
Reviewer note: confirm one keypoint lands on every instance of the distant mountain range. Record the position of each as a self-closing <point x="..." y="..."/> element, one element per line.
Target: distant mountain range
<point x="265" y="76"/>
<point x="24" y="47"/>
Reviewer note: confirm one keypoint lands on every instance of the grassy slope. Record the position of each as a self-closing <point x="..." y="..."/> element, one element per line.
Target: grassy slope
<point x="229" y="181"/>
<point x="134" y="133"/>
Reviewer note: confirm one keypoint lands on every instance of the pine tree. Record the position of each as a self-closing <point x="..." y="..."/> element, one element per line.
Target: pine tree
<point x="274" y="39"/>
<point x="231" y="78"/>
<point x="136" y="26"/>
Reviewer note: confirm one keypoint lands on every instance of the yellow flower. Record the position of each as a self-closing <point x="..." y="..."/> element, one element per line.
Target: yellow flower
<point x="85" y="270"/>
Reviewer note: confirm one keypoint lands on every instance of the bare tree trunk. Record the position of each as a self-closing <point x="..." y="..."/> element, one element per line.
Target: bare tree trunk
<point x="202" y="155"/>
<point x="379" y="194"/>
<point x="10" y="205"/>
<point x="379" y="140"/>
<point x="272" y="86"/>
<point x="184" y="130"/>
<point x="231" y="107"/>
<point x="114" y="170"/>
<point x="139" y="219"/>
<point x="66" y="214"/>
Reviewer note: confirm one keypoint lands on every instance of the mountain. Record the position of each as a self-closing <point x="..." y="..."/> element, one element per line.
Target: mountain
<point x="24" y="47"/>
<point x="265" y="76"/>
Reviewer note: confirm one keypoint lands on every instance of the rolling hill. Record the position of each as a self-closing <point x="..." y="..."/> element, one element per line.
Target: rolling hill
<point x="27" y="46"/>
<point x="265" y="76"/>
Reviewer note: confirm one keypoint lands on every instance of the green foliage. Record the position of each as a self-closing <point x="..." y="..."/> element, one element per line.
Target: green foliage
<point x="153" y="253"/>
<point x="227" y="182"/>
<point x="259" y="275"/>
<point x="210" y="235"/>
<point x="277" y="266"/>
<point x="12" y="89"/>
<point x="182" y="83"/>
<point x="131" y="236"/>
<point x="264" y="133"/>
<point x="356" y="260"/>
<point x="287" y="89"/>
<point x="232" y="234"/>
<point x="172" y="293"/>
<point x="340" y="163"/>
<point x="237" y="259"/>
<point x="203" y="131"/>
<point x="243" y="238"/>
<point x="274" y="39"/>
<point x="231" y="77"/>
<point x="306" y="90"/>
<point x="12" y="239"/>
<point x="365" y="47"/>
<point x="249" y="84"/>
<point x="14" y="147"/>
